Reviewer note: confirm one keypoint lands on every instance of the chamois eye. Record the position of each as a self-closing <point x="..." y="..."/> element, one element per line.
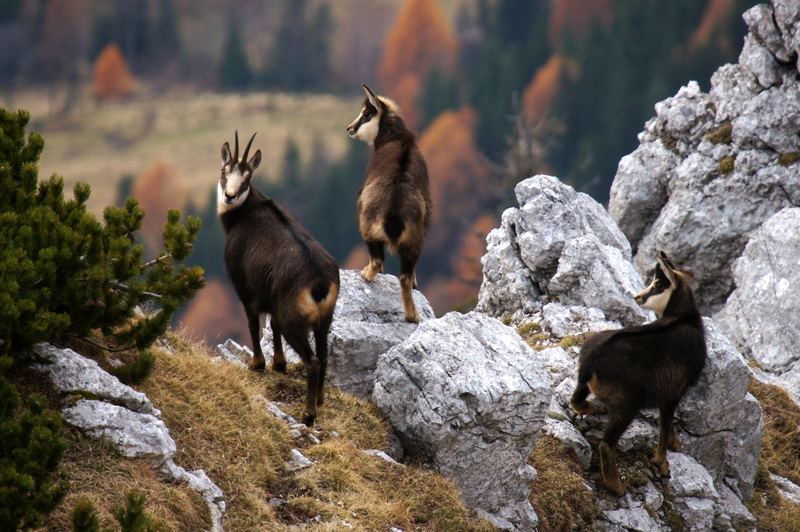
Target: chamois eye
<point x="659" y="285"/>
<point x="367" y="115"/>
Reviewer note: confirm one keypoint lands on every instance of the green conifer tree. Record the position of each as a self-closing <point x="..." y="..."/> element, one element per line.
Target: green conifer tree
<point x="30" y="450"/>
<point x="64" y="273"/>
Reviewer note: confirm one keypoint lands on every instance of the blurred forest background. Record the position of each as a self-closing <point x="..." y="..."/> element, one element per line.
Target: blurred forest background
<point x="136" y="97"/>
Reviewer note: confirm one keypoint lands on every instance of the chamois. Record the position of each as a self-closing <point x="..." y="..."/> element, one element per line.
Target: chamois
<point x="278" y="268"/>
<point x="394" y="204"/>
<point x="647" y="366"/>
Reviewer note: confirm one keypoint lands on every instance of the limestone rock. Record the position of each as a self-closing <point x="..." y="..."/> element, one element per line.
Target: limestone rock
<point x="467" y="394"/>
<point x="760" y="315"/>
<point x="558" y="244"/>
<point x="74" y="374"/>
<point x="712" y="168"/>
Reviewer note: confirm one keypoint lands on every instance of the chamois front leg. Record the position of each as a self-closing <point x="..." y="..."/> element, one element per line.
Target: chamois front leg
<point x="278" y="357"/>
<point x="257" y="363"/>
<point x="376" y="258"/>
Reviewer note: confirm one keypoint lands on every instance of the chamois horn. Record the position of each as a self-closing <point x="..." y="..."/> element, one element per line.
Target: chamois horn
<point x="236" y="147"/>
<point x="247" y="149"/>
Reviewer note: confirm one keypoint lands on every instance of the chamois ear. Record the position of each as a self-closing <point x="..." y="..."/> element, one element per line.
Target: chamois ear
<point x="255" y="160"/>
<point x="226" y="154"/>
<point x="371" y="96"/>
<point x="667" y="267"/>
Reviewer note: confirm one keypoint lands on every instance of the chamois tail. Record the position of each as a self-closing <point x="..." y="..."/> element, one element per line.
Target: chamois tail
<point x="393" y="226"/>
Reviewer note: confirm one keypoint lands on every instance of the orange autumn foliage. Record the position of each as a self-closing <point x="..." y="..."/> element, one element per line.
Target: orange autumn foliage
<point x="575" y="16"/>
<point x="462" y="183"/>
<point x="406" y="96"/>
<point x="461" y="290"/>
<point x="158" y="189"/>
<point x="543" y="88"/>
<point x="418" y="40"/>
<point x="216" y="314"/>
<point x="111" y="79"/>
<point x="717" y="13"/>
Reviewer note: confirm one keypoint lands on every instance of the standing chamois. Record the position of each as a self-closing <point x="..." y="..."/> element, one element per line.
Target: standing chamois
<point x="278" y="268"/>
<point x="647" y="366"/>
<point x="394" y="205"/>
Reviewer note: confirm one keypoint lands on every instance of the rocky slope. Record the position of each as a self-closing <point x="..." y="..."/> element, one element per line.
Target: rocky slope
<point x="716" y="183"/>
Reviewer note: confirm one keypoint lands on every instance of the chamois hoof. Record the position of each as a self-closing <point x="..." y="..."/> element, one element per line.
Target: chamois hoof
<point x="308" y="419"/>
<point x="585" y="408"/>
<point x="663" y="467"/>
<point x="279" y="367"/>
<point x="256" y="366"/>
<point x="413" y="318"/>
<point x="616" y="486"/>
<point x="368" y="274"/>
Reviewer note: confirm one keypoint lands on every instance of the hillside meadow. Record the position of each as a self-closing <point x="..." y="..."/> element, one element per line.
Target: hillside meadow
<point x="102" y="143"/>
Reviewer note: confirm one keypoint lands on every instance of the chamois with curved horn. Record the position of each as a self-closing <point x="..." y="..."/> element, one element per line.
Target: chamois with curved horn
<point x="648" y="366"/>
<point x="277" y="268"/>
<point x="394" y="205"/>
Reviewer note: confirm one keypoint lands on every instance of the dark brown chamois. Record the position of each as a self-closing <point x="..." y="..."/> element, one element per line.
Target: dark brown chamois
<point x="649" y="366"/>
<point x="394" y="205"/>
<point x="277" y="268"/>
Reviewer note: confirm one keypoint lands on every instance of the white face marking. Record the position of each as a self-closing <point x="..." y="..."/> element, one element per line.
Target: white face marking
<point x="228" y="188"/>
<point x="657" y="295"/>
<point x="368" y="130"/>
<point x="658" y="303"/>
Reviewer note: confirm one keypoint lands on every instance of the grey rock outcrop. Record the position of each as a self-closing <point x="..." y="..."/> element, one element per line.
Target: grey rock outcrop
<point x="712" y="167"/>
<point x="468" y="395"/>
<point x="761" y="314"/>
<point x="114" y="412"/>
<point x="367" y="322"/>
<point x="559" y="244"/>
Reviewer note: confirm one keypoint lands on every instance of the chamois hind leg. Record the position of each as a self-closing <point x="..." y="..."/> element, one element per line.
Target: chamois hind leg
<point x="666" y="438"/>
<point x="278" y="357"/>
<point x="298" y="339"/>
<point x="618" y="420"/>
<point x="376" y="258"/>
<point x="257" y="363"/>
<point x="408" y="261"/>
<point x="321" y="340"/>
<point x="578" y="400"/>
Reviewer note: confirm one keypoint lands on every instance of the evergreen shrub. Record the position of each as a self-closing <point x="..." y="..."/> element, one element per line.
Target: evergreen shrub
<point x="64" y="273"/>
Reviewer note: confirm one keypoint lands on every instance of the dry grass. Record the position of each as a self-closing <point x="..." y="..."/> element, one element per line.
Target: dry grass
<point x="217" y="419"/>
<point x="560" y="496"/>
<point x="780" y="454"/>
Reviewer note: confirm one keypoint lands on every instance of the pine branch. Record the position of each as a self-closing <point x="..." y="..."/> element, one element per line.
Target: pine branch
<point x="101" y="346"/>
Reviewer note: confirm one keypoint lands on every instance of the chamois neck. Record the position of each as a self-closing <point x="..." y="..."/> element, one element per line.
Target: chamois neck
<point x="392" y="128"/>
<point x="682" y="304"/>
<point x="230" y="217"/>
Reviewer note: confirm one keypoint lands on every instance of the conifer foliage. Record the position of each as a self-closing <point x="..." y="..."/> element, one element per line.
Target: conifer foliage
<point x="30" y="450"/>
<point x="65" y="273"/>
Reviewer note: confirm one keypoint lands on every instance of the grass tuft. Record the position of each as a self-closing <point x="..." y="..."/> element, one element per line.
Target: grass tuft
<point x="722" y="135"/>
<point x="560" y="496"/>
<point x="788" y="159"/>
<point x="780" y="454"/>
